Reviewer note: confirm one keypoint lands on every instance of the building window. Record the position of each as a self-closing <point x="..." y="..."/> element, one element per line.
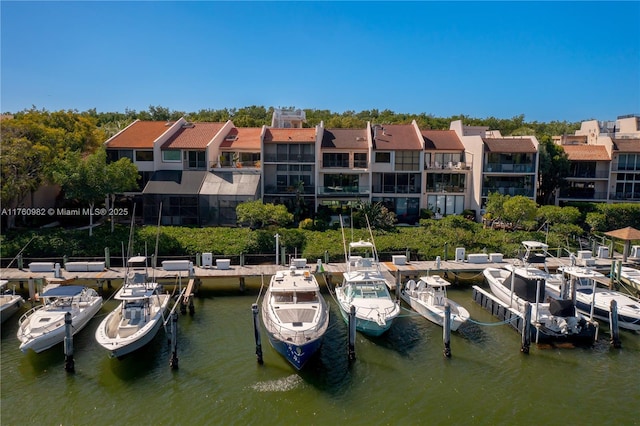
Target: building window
<point x="194" y="160"/>
<point x="445" y="204"/>
<point x="360" y="160"/>
<point x="407" y="160"/>
<point x="383" y="157"/>
<point x="116" y="154"/>
<point x="144" y="155"/>
<point x="171" y="156"/>
<point x="335" y="159"/>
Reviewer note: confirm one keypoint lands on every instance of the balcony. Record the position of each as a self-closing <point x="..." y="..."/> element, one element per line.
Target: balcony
<point x="335" y="164"/>
<point x="590" y="175"/>
<point x="625" y="196"/>
<point x="286" y="158"/>
<point x="287" y="190"/>
<point x="396" y="189"/>
<point x="508" y="168"/>
<point x="445" y="188"/>
<point x="582" y="194"/>
<point x="508" y="191"/>
<point x="451" y="165"/>
<point x="343" y="190"/>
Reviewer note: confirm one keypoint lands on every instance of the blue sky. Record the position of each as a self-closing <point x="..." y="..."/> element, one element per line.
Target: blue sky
<point x="547" y="60"/>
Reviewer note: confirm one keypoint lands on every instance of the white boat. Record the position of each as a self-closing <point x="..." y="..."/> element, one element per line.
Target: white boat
<point x="594" y="301"/>
<point x="553" y="321"/>
<point x="631" y="277"/>
<point x="365" y="288"/>
<point x="428" y="297"/>
<point x="138" y="317"/>
<point x="10" y="302"/>
<point x="294" y="313"/>
<point x="43" y="326"/>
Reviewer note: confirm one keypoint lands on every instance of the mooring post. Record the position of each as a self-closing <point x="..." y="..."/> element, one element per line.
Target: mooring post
<point x="526" y="329"/>
<point x="446" y="247"/>
<point x="198" y="264"/>
<point x="20" y="261"/>
<point x="613" y="324"/>
<point x="612" y="275"/>
<point x="619" y="271"/>
<point x="446" y="330"/>
<point x="241" y="258"/>
<point x="69" y="365"/>
<point x="243" y="285"/>
<point x="174" y="341"/>
<point x="326" y="256"/>
<point x="398" y="284"/>
<point x="32" y="291"/>
<point x="352" y="333"/>
<point x="256" y="332"/>
<point x="107" y="258"/>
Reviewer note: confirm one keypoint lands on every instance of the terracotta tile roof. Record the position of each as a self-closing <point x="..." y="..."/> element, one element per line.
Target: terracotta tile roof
<point x="247" y="138"/>
<point x="193" y="136"/>
<point x="396" y="137"/>
<point x="442" y="140"/>
<point x="627" y="145"/>
<point x="290" y="135"/>
<point x="586" y="152"/>
<point x="345" y="139"/>
<point x="140" y="134"/>
<point x="510" y="145"/>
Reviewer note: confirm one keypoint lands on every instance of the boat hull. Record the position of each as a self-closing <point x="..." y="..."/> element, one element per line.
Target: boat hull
<point x="435" y="314"/>
<point x="10" y="306"/>
<point x="540" y="333"/>
<point x="119" y="347"/>
<point x="55" y="335"/>
<point x="297" y="355"/>
<point x="365" y="325"/>
<point x="627" y="322"/>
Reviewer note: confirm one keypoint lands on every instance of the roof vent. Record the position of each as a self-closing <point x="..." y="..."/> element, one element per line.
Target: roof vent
<point x="231" y="137"/>
<point x="188" y="125"/>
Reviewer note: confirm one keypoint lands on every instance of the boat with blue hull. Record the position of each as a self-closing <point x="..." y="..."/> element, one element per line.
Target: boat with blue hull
<point x="294" y="313"/>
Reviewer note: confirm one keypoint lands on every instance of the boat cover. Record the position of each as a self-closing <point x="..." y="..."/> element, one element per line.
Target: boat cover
<point x="63" y="291"/>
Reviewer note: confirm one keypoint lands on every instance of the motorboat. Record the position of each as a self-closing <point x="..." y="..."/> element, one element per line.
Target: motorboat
<point x="581" y="284"/>
<point x="138" y="317"/>
<point x="428" y="297"/>
<point x="44" y="325"/>
<point x="10" y="302"/>
<point x="631" y="277"/>
<point x="365" y="288"/>
<point x="294" y="313"/>
<point x="554" y="320"/>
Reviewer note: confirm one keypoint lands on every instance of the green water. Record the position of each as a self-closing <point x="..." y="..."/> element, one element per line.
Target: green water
<point x="399" y="378"/>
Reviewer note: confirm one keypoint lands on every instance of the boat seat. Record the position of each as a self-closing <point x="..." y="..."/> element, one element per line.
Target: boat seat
<point x="410" y="285"/>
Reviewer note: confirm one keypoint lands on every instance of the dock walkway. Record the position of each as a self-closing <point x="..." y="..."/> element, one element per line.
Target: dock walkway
<point x="451" y="270"/>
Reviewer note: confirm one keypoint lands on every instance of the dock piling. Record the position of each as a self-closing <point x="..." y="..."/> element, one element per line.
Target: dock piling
<point x="173" y="363"/>
<point x="32" y="291"/>
<point x="69" y="364"/>
<point x="352" y="333"/>
<point x="526" y="329"/>
<point x="256" y="333"/>
<point x="446" y="330"/>
<point x="613" y="323"/>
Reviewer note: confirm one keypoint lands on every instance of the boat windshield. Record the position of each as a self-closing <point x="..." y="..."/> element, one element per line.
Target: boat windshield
<point x="371" y="290"/>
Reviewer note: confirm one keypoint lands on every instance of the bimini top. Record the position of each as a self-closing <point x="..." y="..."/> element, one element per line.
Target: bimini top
<point x="532" y="245"/>
<point x="63" y="291"/>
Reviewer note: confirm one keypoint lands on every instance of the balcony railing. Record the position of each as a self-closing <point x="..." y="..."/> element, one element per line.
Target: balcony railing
<point x="590" y="175"/>
<point x="335" y="164"/>
<point x="343" y="190"/>
<point x="451" y="165"/>
<point x="444" y="188"/>
<point x="396" y="189"/>
<point x="625" y="196"/>
<point x="285" y="158"/>
<point x="508" y="168"/>
<point x="583" y="194"/>
<point x="237" y="164"/>
<point x="508" y="191"/>
<point x="287" y="190"/>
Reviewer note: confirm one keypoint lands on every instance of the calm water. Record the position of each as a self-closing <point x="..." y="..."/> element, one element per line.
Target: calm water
<point x="400" y="378"/>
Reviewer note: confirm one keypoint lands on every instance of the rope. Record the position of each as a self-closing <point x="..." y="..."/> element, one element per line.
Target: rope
<point x="261" y="287"/>
<point x="490" y="324"/>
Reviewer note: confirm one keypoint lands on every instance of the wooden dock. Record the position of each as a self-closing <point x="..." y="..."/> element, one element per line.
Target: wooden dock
<point x="453" y="271"/>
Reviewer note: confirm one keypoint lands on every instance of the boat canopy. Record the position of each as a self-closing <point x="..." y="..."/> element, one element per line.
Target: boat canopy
<point x="63" y="291"/>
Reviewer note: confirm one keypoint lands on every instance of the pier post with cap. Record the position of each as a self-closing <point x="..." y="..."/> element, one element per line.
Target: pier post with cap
<point x="174" y="341"/>
<point x="69" y="364"/>
<point x="256" y="332"/>
<point x="446" y="330"/>
<point x="613" y="325"/>
<point x="352" y="333"/>
<point x="526" y="329"/>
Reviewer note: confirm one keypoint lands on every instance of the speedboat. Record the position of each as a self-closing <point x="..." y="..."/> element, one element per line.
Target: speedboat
<point x="10" y="302"/>
<point x="365" y="288"/>
<point x="631" y="277"/>
<point x="43" y="326"/>
<point x="294" y="313"/>
<point x="595" y="301"/>
<point x="138" y="317"/>
<point x="554" y="320"/>
<point x="428" y="297"/>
